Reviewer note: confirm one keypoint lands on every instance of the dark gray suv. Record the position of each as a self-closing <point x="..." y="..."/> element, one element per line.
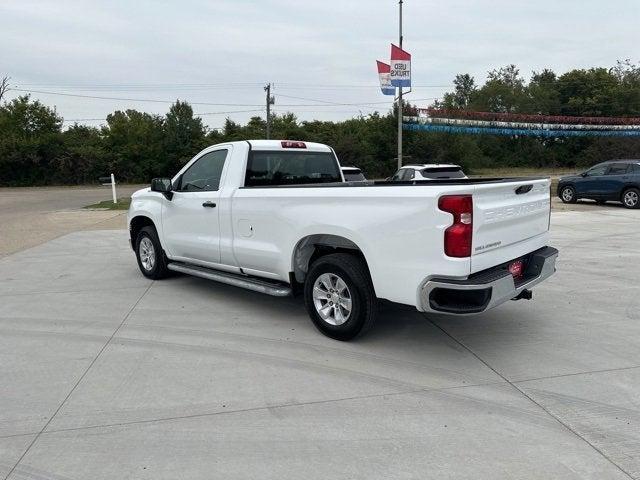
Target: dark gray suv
<point x="616" y="180"/>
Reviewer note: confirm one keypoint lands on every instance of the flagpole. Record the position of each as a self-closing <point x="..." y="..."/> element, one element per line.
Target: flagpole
<point x="400" y="99"/>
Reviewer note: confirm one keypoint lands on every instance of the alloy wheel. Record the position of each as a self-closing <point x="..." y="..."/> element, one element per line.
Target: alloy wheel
<point x="147" y="254"/>
<point x="567" y="194"/>
<point x="332" y="299"/>
<point x="631" y="198"/>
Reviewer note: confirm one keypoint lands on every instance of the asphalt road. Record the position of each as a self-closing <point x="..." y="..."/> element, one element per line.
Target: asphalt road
<point x="31" y="216"/>
<point x="106" y="375"/>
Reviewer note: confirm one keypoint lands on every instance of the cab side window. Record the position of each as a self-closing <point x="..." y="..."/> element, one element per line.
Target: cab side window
<point x="596" y="171"/>
<point x="204" y="175"/>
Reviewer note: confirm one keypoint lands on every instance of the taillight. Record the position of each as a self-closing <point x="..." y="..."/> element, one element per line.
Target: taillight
<point x="457" y="238"/>
<point x="292" y="144"/>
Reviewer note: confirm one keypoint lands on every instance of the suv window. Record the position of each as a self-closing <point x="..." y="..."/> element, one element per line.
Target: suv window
<point x="618" y="169"/>
<point x="596" y="171"/>
<point x="205" y="174"/>
<point x="353" y="175"/>
<point x="267" y="168"/>
<point x="636" y="167"/>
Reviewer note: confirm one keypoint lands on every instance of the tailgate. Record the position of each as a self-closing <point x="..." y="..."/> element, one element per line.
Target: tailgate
<point x="509" y="220"/>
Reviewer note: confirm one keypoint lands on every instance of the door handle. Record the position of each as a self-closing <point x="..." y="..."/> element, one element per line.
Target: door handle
<point x="209" y="205"/>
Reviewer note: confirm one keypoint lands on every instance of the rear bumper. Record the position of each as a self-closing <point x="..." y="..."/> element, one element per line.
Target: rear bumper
<point x="486" y="289"/>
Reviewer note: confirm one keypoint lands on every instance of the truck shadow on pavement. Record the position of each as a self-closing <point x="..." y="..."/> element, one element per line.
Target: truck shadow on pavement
<point x="233" y="309"/>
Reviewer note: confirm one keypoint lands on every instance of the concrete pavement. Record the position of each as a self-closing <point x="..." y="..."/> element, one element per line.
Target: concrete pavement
<point x="106" y="375"/>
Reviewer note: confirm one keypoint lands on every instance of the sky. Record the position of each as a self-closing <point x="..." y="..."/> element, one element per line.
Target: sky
<point x="319" y="55"/>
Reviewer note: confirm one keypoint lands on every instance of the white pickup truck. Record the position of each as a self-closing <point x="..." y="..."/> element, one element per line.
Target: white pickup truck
<point x="278" y="218"/>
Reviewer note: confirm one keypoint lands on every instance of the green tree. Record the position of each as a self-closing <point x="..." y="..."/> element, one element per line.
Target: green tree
<point x="135" y="145"/>
<point x="184" y="135"/>
<point x="461" y="97"/>
<point x="543" y="94"/>
<point x="30" y="138"/>
<point x="83" y="158"/>
<point x="589" y="92"/>
<point x="504" y="91"/>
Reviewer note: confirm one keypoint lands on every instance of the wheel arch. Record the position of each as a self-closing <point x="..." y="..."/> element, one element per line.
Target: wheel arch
<point x="629" y="185"/>
<point x="314" y="246"/>
<point x="136" y="224"/>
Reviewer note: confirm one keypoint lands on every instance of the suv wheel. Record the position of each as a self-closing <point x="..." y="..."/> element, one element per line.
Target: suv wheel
<point x="151" y="258"/>
<point x="339" y="296"/>
<point x="568" y="195"/>
<point x="631" y="198"/>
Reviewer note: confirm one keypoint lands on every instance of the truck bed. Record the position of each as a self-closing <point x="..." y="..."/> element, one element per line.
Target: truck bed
<point x="399" y="183"/>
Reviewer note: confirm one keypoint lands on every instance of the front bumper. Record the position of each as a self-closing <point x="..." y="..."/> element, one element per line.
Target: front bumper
<point x="486" y="289"/>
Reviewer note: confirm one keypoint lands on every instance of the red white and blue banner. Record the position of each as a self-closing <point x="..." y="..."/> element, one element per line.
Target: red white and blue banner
<point x="523" y="117"/>
<point x="510" y="124"/>
<point x="385" y="78"/>
<point x="400" y="67"/>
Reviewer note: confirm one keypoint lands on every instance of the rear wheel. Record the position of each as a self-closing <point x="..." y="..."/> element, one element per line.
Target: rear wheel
<point x="631" y="198"/>
<point x="339" y="296"/>
<point x="151" y="258"/>
<point x="568" y="195"/>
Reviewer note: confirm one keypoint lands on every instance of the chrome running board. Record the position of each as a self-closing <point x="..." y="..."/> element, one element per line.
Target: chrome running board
<point x="242" y="281"/>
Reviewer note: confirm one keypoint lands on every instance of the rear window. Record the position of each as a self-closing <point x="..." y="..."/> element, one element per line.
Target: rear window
<point x="443" y="172"/>
<point x="291" y="168"/>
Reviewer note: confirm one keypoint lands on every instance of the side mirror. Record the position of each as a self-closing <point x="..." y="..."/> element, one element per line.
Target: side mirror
<point x="163" y="186"/>
<point x="583" y="174"/>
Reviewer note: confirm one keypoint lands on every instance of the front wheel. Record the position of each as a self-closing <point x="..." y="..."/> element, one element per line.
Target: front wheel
<point x="150" y="256"/>
<point x="631" y="198"/>
<point x="339" y="296"/>
<point x="568" y="195"/>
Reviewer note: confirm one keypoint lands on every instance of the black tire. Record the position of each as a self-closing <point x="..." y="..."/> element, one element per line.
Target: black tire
<point x="631" y="198"/>
<point x="158" y="269"/>
<point x="568" y="194"/>
<point x="354" y="273"/>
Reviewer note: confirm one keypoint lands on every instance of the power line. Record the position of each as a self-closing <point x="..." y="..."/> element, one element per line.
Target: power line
<point x="70" y="120"/>
<point x="309" y="99"/>
<point x="231" y="111"/>
<point x="96" y="97"/>
<point x="214" y="85"/>
<point x="195" y="115"/>
<point x="77" y="95"/>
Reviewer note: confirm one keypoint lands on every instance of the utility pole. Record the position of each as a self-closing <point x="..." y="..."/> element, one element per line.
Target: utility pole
<point x="270" y="101"/>
<point x="400" y="99"/>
